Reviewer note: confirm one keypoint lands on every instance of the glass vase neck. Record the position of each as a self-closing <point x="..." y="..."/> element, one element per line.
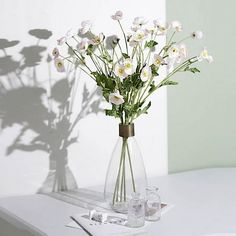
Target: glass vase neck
<point x="126" y="130"/>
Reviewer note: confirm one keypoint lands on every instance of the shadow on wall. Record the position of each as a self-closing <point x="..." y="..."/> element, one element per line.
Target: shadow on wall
<point x="42" y="107"/>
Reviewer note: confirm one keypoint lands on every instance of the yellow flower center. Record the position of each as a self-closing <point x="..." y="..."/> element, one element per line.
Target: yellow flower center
<point x="128" y="65"/>
<point x="158" y="61"/>
<point x="121" y="71"/>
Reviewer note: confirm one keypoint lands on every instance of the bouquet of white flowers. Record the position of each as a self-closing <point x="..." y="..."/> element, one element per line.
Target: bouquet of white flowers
<point x="127" y="71"/>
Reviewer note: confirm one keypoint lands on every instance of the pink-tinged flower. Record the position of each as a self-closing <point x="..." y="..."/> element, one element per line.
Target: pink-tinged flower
<point x="146" y="73"/>
<point x="139" y="21"/>
<point x="158" y="60"/>
<point x="176" y="25"/>
<point x="59" y="64"/>
<point x="116" y="98"/>
<point x="55" y="53"/>
<point x="197" y="34"/>
<point x="82" y="46"/>
<point x="97" y="39"/>
<point x="85" y="26"/>
<point x="135" y="27"/>
<point x="161" y="26"/>
<point x="117" y="16"/>
<point x="61" y="41"/>
<point x="183" y="50"/>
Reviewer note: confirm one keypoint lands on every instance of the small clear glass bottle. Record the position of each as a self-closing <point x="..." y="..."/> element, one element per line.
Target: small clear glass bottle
<point x="136" y="211"/>
<point x="152" y="204"/>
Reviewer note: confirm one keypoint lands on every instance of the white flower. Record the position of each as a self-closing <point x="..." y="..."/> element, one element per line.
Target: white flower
<point x="120" y="71"/>
<point x="61" y="40"/>
<point x="182" y="53"/>
<point x="116" y="98"/>
<point x="55" y="52"/>
<point x="139" y="21"/>
<point x="174" y="51"/>
<point x="132" y="43"/>
<point x="135" y="27"/>
<point x="97" y="39"/>
<point x="82" y="46"/>
<point x="139" y="35"/>
<point x="117" y="16"/>
<point x="176" y="25"/>
<point x="152" y="30"/>
<point x="85" y="26"/>
<point x="204" y="55"/>
<point x="197" y="34"/>
<point x="128" y="66"/>
<point x="161" y="26"/>
<point x="146" y="73"/>
<point x="158" y="60"/>
<point x="59" y="64"/>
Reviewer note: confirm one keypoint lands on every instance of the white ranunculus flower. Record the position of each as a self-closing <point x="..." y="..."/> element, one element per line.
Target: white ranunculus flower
<point x="152" y="30"/>
<point x="161" y="26"/>
<point x="176" y="25"/>
<point x="82" y="46"/>
<point x="197" y="34"/>
<point x="139" y="35"/>
<point x="182" y="53"/>
<point x="146" y="73"/>
<point x="117" y="16"/>
<point x="174" y="51"/>
<point x="97" y="39"/>
<point x="116" y="98"/>
<point x="139" y="21"/>
<point x="128" y="65"/>
<point x="85" y="26"/>
<point x="120" y="71"/>
<point x="204" y="55"/>
<point x="158" y="60"/>
<point x="132" y="43"/>
<point x="135" y="27"/>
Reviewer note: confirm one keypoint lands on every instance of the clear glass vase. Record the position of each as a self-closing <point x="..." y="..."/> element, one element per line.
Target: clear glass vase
<point x="126" y="172"/>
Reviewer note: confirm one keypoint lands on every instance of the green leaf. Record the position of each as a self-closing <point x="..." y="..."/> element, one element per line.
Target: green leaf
<point x="90" y="49"/>
<point x="125" y="55"/>
<point x="154" y="70"/>
<point x="193" y="69"/>
<point x="152" y="87"/>
<point x="144" y="110"/>
<point x="107" y="83"/>
<point x="169" y="82"/>
<point x="150" y="44"/>
<point x="113" y="112"/>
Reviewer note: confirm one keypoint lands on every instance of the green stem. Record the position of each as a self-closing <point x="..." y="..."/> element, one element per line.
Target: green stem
<point x="126" y="44"/>
<point x="116" y="190"/>
<point x="130" y="165"/>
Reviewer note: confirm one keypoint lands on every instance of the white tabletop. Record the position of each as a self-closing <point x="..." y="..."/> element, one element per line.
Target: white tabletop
<point x="204" y="204"/>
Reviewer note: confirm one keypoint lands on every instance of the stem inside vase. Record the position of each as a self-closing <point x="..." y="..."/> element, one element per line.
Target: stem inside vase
<point x="119" y="194"/>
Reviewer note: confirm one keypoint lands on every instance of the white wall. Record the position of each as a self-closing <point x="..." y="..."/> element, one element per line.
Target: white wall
<point x="23" y="172"/>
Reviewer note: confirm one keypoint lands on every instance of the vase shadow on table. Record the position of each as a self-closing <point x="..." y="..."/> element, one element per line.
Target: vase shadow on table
<point x="42" y="108"/>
